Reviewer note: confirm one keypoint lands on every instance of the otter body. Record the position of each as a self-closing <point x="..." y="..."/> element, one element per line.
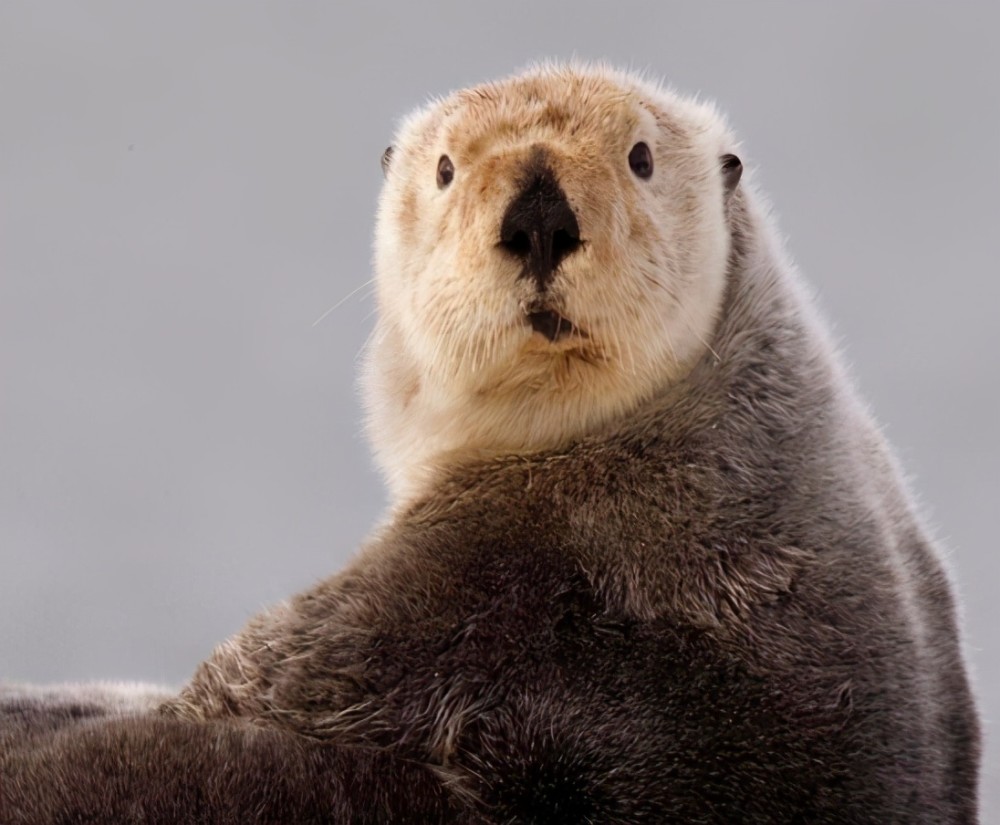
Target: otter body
<point x="686" y="585"/>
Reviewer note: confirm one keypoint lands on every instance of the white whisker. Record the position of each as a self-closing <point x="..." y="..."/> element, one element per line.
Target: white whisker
<point x="347" y="297"/>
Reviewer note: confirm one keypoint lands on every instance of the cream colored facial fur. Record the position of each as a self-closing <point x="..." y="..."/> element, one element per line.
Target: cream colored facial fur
<point x="455" y="370"/>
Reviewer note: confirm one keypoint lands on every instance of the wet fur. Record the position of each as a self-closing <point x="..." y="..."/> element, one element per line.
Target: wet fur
<point x="717" y="608"/>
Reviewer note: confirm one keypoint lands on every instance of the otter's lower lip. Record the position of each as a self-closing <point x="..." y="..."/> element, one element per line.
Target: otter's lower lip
<point x="552" y="325"/>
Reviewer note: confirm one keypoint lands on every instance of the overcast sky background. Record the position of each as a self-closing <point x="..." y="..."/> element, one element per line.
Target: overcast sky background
<point x="185" y="187"/>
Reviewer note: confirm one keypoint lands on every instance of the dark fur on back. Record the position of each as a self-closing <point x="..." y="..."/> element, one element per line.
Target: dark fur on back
<point x="722" y="610"/>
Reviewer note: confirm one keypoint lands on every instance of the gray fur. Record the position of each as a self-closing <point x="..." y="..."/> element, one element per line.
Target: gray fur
<point x="720" y="610"/>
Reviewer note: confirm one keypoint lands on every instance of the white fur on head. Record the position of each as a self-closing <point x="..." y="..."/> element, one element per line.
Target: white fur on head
<point x="455" y="370"/>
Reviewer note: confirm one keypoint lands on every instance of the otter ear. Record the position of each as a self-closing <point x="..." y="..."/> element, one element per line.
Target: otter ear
<point x="732" y="171"/>
<point x="386" y="160"/>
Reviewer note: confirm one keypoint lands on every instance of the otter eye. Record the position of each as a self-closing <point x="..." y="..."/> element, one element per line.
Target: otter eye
<point x="640" y="160"/>
<point x="386" y="160"/>
<point x="446" y="171"/>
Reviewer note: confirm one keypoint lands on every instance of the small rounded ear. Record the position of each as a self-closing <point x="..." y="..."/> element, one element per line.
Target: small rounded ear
<point x="732" y="171"/>
<point x="386" y="160"/>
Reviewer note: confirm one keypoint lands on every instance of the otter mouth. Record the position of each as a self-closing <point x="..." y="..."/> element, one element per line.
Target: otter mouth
<point x="552" y="325"/>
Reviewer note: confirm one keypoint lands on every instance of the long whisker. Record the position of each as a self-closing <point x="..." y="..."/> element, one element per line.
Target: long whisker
<point x="369" y="340"/>
<point x="339" y="303"/>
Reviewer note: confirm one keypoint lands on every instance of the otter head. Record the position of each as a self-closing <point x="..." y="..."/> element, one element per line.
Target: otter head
<point x="550" y="253"/>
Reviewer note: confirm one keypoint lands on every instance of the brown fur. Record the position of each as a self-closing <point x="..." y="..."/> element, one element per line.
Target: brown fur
<point x="719" y="607"/>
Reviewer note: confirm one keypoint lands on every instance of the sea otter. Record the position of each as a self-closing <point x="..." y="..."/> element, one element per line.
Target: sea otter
<point x="648" y="559"/>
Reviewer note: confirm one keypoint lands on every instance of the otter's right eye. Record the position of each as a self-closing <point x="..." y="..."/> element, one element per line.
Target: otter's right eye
<point x="640" y="161"/>
<point x="446" y="171"/>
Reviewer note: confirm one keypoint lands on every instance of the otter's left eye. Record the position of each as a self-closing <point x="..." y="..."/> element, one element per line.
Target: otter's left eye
<point x="640" y="160"/>
<point x="446" y="171"/>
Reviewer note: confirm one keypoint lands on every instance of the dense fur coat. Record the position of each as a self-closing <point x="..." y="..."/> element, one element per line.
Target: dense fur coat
<point x="709" y="601"/>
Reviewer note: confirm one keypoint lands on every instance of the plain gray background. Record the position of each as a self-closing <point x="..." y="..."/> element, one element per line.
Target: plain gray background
<point x="186" y="187"/>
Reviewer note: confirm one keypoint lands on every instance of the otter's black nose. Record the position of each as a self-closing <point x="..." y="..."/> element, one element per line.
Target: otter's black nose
<point x="539" y="226"/>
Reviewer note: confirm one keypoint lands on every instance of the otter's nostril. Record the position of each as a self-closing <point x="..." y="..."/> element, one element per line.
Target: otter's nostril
<point x="564" y="242"/>
<point x="518" y="244"/>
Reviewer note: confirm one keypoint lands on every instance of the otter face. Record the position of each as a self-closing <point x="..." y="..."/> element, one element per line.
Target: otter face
<point x="550" y="253"/>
